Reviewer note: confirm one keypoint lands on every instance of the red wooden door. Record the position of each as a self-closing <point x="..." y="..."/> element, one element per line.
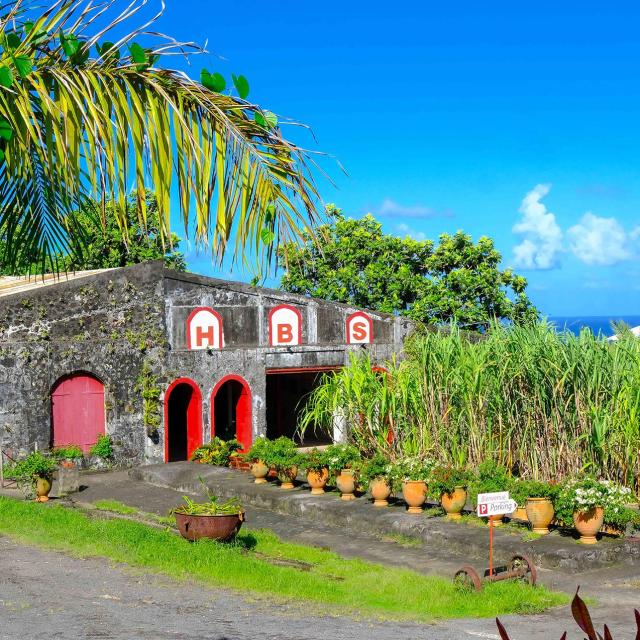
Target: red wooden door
<point x="77" y="411"/>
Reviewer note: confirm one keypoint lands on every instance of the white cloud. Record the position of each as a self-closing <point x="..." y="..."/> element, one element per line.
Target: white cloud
<point x="406" y="230"/>
<point x="542" y="236"/>
<point x="600" y="241"/>
<point x="391" y="208"/>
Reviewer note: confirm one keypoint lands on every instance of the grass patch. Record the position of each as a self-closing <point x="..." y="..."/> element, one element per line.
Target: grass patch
<point x="260" y="563"/>
<point x="402" y="539"/>
<point x="115" y="507"/>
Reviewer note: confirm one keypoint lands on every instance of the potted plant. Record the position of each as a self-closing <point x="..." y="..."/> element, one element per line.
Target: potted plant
<point x="69" y="459"/>
<point x="315" y="464"/>
<point x="539" y="503"/>
<point x="414" y="472"/>
<point x="449" y="485"/>
<point x="212" y="519"/>
<point x="618" y="516"/>
<point x="218" y="452"/>
<point x="381" y="477"/>
<point x="343" y="460"/>
<point x="589" y="502"/>
<point x="282" y="454"/>
<point x="491" y="477"/>
<point x="35" y="475"/>
<point x="256" y="458"/>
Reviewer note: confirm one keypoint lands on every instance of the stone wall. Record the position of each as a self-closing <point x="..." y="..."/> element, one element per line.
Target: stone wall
<point x="107" y="325"/>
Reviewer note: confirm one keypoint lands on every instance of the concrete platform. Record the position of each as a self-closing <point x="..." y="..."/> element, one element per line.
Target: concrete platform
<point x="556" y="551"/>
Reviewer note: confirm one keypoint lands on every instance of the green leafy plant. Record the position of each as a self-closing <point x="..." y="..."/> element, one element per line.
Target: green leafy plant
<point x="581" y="615"/>
<point x="413" y="468"/>
<point x="27" y="471"/>
<point x="69" y="452"/>
<point x="520" y="490"/>
<point x="314" y="460"/>
<point x="218" y="452"/>
<point x="379" y="467"/>
<point x="342" y="456"/>
<point x="445" y="479"/>
<point x="103" y="448"/>
<point x="490" y="477"/>
<point x="282" y="454"/>
<point x="258" y="450"/>
<point x="213" y="507"/>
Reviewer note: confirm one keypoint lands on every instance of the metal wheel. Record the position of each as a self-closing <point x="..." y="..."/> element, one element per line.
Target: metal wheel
<point x="525" y="566"/>
<point x="467" y="578"/>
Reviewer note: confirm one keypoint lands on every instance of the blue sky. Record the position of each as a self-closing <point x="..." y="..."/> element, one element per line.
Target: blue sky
<point x="461" y="115"/>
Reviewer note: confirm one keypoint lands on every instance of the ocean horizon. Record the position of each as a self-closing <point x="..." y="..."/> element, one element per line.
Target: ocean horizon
<point x="597" y="324"/>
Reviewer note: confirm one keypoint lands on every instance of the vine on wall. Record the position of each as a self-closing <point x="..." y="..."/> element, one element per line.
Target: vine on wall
<point x="147" y="387"/>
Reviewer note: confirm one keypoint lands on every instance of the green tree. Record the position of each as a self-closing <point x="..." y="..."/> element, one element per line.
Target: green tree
<point x="358" y="264"/>
<point x="103" y="245"/>
<point x="82" y="116"/>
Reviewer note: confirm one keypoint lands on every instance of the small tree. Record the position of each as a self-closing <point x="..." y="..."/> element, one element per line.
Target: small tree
<point x="356" y="263"/>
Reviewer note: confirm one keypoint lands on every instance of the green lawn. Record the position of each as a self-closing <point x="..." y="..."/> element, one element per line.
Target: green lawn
<point x="260" y="563"/>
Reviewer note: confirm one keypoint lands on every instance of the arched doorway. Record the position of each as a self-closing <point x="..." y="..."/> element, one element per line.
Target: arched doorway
<point x="77" y="411"/>
<point x="231" y="410"/>
<point x="182" y="420"/>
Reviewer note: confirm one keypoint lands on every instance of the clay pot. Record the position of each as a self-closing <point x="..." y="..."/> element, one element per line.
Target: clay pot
<point x="540" y="512"/>
<point x="414" y="493"/>
<point x="43" y="488"/>
<point x="588" y="523"/>
<point x="346" y="484"/>
<point x="215" y="527"/>
<point x="287" y="477"/>
<point x="259" y="471"/>
<point x="498" y="521"/>
<point x="380" y="491"/>
<point x="519" y="514"/>
<point x="317" y="480"/>
<point x="453" y="503"/>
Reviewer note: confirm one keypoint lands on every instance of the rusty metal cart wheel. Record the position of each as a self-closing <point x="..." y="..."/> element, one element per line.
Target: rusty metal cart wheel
<point x="467" y="578"/>
<point x="524" y="566"/>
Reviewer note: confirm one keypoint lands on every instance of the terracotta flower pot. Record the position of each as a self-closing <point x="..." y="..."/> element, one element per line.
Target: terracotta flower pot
<point x="453" y="503"/>
<point x="346" y="484"/>
<point x="588" y="523"/>
<point x="498" y="521"/>
<point x="221" y="527"/>
<point x="380" y="491"/>
<point x="414" y="493"/>
<point x="43" y="488"/>
<point x="287" y="477"/>
<point x="519" y="514"/>
<point x="540" y="512"/>
<point x="317" y="480"/>
<point x="259" y="471"/>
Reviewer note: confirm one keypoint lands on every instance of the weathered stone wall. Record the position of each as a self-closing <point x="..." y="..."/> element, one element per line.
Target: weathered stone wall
<point x="108" y="325"/>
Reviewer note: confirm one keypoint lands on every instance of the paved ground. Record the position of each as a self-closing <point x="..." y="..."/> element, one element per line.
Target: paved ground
<point x="49" y="594"/>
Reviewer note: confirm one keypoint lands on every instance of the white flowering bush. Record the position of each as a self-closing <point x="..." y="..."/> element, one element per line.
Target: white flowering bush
<point x="588" y="493"/>
<point x="414" y="468"/>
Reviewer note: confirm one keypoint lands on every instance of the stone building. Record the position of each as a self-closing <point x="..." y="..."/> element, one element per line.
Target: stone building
<point x="162" y="361"/>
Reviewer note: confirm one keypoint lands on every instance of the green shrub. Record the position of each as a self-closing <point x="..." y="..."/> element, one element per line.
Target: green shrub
<point x="281" y="453"/>
<point x="103" y="448"/>
<point x="26" y="471"/>
<point x="314" y="460"/>
<point x="68" y="452"/>
<point x="445" y="479"/>
<point x="342" y="456"/>
<point x="490" y="478"/>
<point x="258" y="450"/>
<point x="218" y="452"/>
<point x="379" y="468"/>
<point x="520" y="490"/>
<point x="413" y="468"/>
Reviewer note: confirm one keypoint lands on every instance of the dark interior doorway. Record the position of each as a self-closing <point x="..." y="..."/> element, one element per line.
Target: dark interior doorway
<point x="287" y="395"/>
<point x="231" y="410"/>
<point x="184" y="422"/>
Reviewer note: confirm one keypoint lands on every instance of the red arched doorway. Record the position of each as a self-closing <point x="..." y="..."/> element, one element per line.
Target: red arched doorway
<point x="182" y="420"/>
<point x="231" y="410"/>
<point x="77" y="411"/>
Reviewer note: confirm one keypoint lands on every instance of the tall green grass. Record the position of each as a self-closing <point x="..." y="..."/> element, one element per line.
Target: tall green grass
<point x="543" y="403"/>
